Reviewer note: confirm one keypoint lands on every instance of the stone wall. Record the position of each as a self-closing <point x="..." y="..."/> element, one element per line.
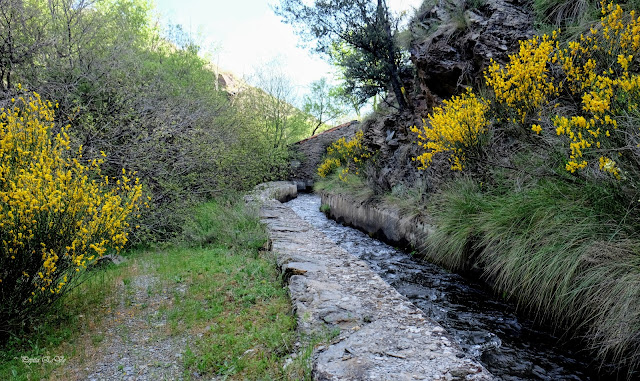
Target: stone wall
<point x="312" y="150"/>
<point x="384" y="223"/>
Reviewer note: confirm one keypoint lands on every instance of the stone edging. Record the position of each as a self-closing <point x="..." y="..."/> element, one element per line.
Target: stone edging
<point x="386" y="224"/>
<point x="382" y="335"/>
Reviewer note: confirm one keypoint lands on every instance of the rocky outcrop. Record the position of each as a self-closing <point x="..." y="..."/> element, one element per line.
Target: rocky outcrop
<point x="312" y="150"/>
<point x="455" y="41"/>
<point x="381" y="335"/>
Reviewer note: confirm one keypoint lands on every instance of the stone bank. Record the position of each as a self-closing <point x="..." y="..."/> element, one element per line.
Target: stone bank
<point x="382" y="336"/>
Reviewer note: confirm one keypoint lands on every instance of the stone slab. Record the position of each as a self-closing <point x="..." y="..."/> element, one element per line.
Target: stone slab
<point x="382" y="335"/>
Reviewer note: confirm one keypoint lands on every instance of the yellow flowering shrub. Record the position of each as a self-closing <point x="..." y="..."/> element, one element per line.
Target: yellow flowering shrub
<point x="57" y="213"/>
<point x="599" y="69"/>
<point x="344" y="154"/>
<point x="456" y="128"/>
<point x="525" y="83"/>
<point x="328" y="166"/>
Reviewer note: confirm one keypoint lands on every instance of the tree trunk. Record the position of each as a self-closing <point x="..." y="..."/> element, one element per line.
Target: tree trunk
<point x="392" y="67"/>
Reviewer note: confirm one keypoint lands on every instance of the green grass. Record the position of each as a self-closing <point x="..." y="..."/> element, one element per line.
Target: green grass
<point x="563" y="252"/>
<point x="237" y="304"/>
<point x="227" y="297"/>
<point x="354" y="185"/>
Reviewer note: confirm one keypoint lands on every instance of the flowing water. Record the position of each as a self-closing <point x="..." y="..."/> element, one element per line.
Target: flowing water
<point x="509" y="345"/>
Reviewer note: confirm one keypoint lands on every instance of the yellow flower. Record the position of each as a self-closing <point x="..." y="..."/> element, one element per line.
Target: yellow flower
<point x="47" y="194"/>
<point x="455" y="128"/>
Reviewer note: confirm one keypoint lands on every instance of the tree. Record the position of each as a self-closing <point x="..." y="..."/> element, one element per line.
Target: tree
<point x="271" y="101"/>
<point x="359" y="36"/>
<point x="347" y="98"/>
<point x="22" y="35"/>
<point x="322" y="104"/>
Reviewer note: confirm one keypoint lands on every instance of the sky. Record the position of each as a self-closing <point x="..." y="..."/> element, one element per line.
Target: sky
<point x="240" y="35"/>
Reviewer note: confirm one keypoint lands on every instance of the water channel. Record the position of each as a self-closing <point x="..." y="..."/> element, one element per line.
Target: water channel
<point x="509" y="345"/>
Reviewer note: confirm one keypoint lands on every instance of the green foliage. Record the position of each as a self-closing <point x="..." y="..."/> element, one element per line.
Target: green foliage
<point x="346" y="98"/>
<point x="323" y="104"/>
<point x="225" y="222"/>
<point x="359" y="37"/>
<point x="146" y="101"/>
<point x="333" y="183"/>
<point x="269" y="109"/>
<point x="324" y="208"/>
<point x="560" y="12"/>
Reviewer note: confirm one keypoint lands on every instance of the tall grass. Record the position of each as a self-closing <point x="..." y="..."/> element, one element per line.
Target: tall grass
<point x="559" y="251"/>
<point x="224" y="221"/>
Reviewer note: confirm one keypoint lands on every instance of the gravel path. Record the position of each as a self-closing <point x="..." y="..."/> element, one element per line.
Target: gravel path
<point x="133" y="341"/>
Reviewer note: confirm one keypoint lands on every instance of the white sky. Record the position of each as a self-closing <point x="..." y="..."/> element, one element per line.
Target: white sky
<point x="243" y="34"/>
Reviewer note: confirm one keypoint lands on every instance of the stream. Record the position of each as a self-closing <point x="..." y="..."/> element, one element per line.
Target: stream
<point x="508" y="344"/>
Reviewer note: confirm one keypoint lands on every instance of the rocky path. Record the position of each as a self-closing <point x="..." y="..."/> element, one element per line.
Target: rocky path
<point x="382" y="336"/>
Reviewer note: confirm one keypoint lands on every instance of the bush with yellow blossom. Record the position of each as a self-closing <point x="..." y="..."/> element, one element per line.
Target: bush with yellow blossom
<point x="457" y="128"/>
<point x="599" y="71"/>
<point x="58" y="214"/>
<point x="525" y="83"/>
<point x="349" y="155"/>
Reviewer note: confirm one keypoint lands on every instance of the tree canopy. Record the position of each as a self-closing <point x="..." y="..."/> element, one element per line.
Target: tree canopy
<point x="359" y="36"/>
<point x="323" y="103"/>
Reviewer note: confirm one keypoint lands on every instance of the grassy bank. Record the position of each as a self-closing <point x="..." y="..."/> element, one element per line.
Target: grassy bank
<point x="565" y="254"/>
<point x="561" y="252"/>
<point x="218" y="290"/>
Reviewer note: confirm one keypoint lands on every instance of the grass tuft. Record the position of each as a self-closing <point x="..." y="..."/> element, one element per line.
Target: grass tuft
<point x="556" y="250"/>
